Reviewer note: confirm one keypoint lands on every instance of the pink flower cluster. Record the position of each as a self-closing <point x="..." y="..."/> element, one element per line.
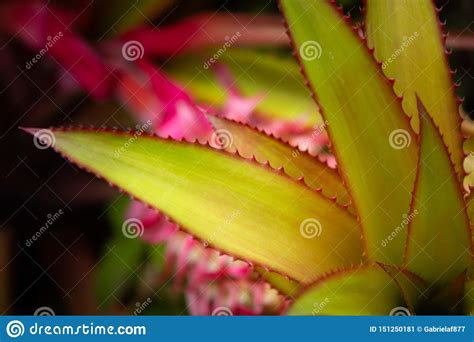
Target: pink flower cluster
<point x="213" y="283"/>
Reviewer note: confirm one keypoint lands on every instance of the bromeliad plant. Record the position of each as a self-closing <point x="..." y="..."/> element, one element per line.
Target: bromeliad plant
<point x="387" y="233"/>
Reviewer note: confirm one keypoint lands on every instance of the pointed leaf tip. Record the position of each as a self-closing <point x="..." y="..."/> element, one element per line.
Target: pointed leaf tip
<point x="233" y="203"/>
<point x="30" y="130"/>
<point x="438" y="243"/>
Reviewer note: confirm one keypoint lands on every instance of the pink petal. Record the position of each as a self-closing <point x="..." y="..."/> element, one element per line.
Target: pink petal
<point x="240" y="108"/>
<point x="237" y="106"/>
<point x="157" y="228"/>
<point x="210" y="29"/>
<point x="181" y="117"/>
<point x="138" y="96"/>
<point x="46" y="30"/>
<point x="329" y="159"/>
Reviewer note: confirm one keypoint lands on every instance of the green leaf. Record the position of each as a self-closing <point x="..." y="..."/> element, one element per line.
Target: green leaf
<point x="407" y="40"/>
<point x="250" y="142"/>
<point x="157" y="255"/>
<point x="371" y="136"/>
<point x="415" y="290"/>
<point x="447" y="301"/>
<point x="364" y="290"/>
<point x="122" y="257"/>
<point x="117" y="270"/>
<point x="469" y="297"/>
<point x="439" y="238"/>
<point x="284" y="285"/>
<point x="238" y="206"/>
<point x="276" y="78"/>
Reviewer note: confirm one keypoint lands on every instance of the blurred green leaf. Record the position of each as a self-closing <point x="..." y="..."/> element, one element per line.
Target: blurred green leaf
<point x="276" y="78"/>
<point x="122" y="257"/>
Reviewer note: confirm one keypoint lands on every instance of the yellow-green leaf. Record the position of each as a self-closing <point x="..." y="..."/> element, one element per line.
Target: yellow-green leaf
<point x="469" y="297"/>
<point x="286" y="286"/>
<point x="276" y="79"/>
<point x="371" y="136"/>
<point x="415" y="290"/>
<point x="250" y="142"/>
<point x="237" y="205"/>
<point x="439" y="238"/>
<point x="365" y="290"/>
<point x="407" y="40"/>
